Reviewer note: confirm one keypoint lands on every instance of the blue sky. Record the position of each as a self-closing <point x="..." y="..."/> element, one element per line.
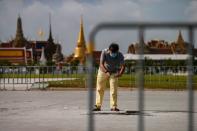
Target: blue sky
<point x="66" y="18"/>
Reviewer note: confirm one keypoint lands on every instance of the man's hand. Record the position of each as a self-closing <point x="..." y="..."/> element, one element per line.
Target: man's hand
<point x="108" y="74"/>
<point x="117" y="75"/>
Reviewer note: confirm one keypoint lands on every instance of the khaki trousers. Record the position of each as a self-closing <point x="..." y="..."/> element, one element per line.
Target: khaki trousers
<point x="102" y="79"/>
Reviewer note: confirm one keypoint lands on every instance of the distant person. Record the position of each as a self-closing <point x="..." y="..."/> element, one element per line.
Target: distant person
<point x="111" y="68"/>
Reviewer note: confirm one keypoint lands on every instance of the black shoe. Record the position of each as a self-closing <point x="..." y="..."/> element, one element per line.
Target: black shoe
<point x="115" y="109"/>
<point x="96" y="108"/>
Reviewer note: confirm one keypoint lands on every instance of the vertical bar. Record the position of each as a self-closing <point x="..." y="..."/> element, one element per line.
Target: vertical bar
<point x="62" y="73"/>
<point x="4" y="80"/>
<point x="190" y="81"/>
<point x="47" y="74"/>
<point x="12" y="70"/>
<point x="30" y="68"/>
<point x="1" y="74"/>
<point x="140" y="80"/>
<point x="26" y="77"/>
<point x="90" y="84"/>
<point x="35" y="73"/>
<point x="130" y="77"/>
<point x="22" y="75"/>
<point x="39" y="76"/>
<point x="17" y="74"/>
<point x="43" y="77"/>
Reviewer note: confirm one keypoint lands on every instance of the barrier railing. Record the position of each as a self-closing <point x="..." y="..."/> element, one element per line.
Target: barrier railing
<point x="141" y="28"/>
<point x="27" y="77"/>
<point x="30" y="77"/>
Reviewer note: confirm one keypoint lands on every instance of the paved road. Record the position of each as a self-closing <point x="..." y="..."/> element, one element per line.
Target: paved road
<point x="66" y="111"/>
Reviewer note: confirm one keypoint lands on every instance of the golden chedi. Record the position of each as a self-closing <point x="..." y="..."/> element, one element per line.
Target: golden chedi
<point x="80" y="50"/>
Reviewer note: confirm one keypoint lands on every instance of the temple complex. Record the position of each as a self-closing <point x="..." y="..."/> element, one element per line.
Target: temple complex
<point x="19" y="50"/>
<point x="161" y="47"/>
<point x="28" y="48"/>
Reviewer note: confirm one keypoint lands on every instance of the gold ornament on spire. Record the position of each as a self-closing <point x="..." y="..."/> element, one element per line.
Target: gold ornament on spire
<point x="41" y="34"/>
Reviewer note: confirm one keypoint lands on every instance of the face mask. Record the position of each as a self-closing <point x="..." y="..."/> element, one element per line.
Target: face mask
<point x="113" y="55"/>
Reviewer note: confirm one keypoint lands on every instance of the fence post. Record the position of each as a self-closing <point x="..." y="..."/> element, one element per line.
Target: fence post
<point x="4" y="79"/>
<point x="190" y="80"/>
<point x="0" y="81"/>
<point x="12" y="71"/>
<point x="140" y="79"/>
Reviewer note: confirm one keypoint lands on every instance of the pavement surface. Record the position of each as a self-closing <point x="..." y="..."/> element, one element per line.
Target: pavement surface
<point x="67" y="111"/>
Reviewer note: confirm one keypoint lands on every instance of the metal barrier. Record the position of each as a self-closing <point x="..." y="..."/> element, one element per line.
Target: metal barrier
<point x="29" y="77"/>
<point x="140" y="81"/>
<point x="26" y="77"/>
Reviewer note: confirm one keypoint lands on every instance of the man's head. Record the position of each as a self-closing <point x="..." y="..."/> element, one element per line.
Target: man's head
<point x="113" y="48"/>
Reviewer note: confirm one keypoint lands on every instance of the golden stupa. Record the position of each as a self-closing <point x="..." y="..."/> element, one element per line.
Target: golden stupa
<point x="80" y="49"/>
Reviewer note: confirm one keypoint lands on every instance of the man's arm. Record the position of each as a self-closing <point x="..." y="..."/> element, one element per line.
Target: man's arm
<point x="102" y="61"/>
<point x="103" y="67"/>
<point x="122" y="66"/>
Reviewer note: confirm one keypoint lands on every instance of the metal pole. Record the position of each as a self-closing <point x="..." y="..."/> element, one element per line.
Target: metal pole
<point x="90" y="93"/>
<point x="30" y="75"/>
<point x="39" y="77"/>
<point x="90" y="81"/>
<point x="190" y="81"/>
<point x="1" y="74"/>
<point x="4" y="78"/>
<point x="130" y="77"/>
<point x="13" y="77"/>
<point x="140" y="80"/>
<point x="43" y="77"/>
<point x="26" y="77"/>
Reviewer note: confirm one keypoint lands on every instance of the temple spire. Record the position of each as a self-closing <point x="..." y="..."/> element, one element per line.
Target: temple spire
<point x="80" y="50"/>
<point x="81" y="38"/>
<point x="50" y="39"/>
<point x="19" y="40"/>
<point x="180" y="40"/>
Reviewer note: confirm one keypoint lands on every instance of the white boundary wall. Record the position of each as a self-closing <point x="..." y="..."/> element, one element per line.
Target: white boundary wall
<point x="157" y="56"/>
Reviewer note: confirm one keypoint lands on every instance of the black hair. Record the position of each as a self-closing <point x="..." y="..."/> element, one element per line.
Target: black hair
<point x="113" y="47"/>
